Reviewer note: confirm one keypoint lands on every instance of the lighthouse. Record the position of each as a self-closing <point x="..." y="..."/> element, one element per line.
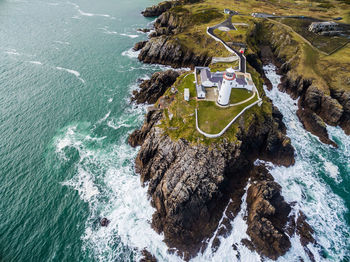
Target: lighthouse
<point x="226" y="87"/>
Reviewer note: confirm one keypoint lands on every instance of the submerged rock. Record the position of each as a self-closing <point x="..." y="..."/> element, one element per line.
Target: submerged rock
<point x="104" y="222"/>
<point x="147" y="257"/>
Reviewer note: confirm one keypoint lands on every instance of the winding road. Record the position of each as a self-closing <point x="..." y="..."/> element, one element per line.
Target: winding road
<point x="228" y="24"/>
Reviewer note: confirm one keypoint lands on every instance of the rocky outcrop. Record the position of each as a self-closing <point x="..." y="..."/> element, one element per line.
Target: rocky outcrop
<point x="167" y="51"/>
<point x="267" y="216"/>
<point x="314" y="124"/>
<point x="343" y="97"/>
<point x="139" y="45"/>
<point x="271" y="220"/>
<point x="147" y="257"/>
<point x="138" y="136"/>
<point x="316" y="107"/>
<point x="190" y="184"/>
<point x="150" y="90"/>
<point x="157" y="10"/>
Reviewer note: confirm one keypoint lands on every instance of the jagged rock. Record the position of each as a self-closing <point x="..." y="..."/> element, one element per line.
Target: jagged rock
<point x="147" y="257"/>
<point x="157" y="10"/>
<point x="139" y="45"/>
<point x="313" y="98"/>
<point x="138" y="136"/>
<point x="144" y="30"/>
<point x="314" y="124"/>
<point x="343" y="98"/>
<point x="324" y="105"/>
<point x="167" y="51"/>
<point x="151" y="90"/>
<point x="267" y="216"/>
<point x="190" y="184"/>
<point x="104" y="222"/>
<point x="331" y="110"/>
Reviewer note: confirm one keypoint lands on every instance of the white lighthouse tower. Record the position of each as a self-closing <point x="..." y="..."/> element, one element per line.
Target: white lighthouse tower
<point x="226" y="87"/>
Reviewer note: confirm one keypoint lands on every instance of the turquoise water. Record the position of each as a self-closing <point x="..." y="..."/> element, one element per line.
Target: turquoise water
<point x="61" y="66"/>
<point x="66" y="75"/>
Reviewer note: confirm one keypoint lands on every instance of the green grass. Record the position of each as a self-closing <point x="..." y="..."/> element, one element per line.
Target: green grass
<point x="239" y="94"/>
<point x="212" y="119"/>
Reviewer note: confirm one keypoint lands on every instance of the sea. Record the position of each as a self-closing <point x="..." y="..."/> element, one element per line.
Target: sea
<point x="67" y="72"/>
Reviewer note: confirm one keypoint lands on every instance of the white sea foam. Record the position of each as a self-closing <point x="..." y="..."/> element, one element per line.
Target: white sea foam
<point x="303" y="182"/>
<point x="131" y="36"/>
<point x="105" y="179"/>
<point x="131" y="53"/>
<point x="82" y="13"/>
<point x="35" y="62"/>
<point x="225" y="251"/>
<point x="84" y="184"/>
<point x="106" y="31"/>
<point x="73" y="72"/>
<point x="12" y="52"/>
<point x="62" y="42"/>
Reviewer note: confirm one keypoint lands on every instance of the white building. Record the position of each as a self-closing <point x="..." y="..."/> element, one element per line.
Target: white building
<point x="226" y="87"/>
<point x="323" y="26"/>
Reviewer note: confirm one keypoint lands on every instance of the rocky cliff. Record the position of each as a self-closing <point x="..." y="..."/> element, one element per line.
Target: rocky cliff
<point x="192" y="184"/>
<point x="318" y="105"/>
<point x="169" y="51"/>
<point x="150" y="90"/>
<point x="189" y="184"/>
<point x="164" y="47"/>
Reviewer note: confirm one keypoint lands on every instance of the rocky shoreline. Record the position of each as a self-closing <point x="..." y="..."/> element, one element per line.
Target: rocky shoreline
<point x="192" y="185"/>
<point x="316" y="107"/>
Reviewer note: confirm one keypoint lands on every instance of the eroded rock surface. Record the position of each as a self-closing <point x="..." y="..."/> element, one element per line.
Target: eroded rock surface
<point x="150" y="90"/>
<point x="168" y="51"/>
<point x="157" y="10"/>
<point x="267" y="216"/>
<point x="190" y="185"/>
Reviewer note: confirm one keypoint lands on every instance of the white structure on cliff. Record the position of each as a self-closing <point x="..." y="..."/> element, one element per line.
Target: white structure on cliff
<point x="221" y="84"/>
<point x="226" y="87"/>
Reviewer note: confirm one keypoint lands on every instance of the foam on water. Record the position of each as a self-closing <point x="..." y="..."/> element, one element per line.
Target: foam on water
<point x="131" y="53"/>
<point x="73" y="72"/>
<point x="131" y="36"/>
<point x="305" y="181"/>
<point x="82" y="13"/>
<point x="225" y="251"/>
<point x="105" y="179"/>
<point x="62" y="42"/>
<point x="35" y="62"/>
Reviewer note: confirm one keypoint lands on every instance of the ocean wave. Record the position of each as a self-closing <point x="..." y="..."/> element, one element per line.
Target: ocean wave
<point x="131" y="53"/>
<point x="131" y="36"/>
<point x="35" y="62"/>
<point x="82" y="13"/>
<point x="12" y="52"/>
<point x="62" y="42"/>
<point x="73" y="72"/>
